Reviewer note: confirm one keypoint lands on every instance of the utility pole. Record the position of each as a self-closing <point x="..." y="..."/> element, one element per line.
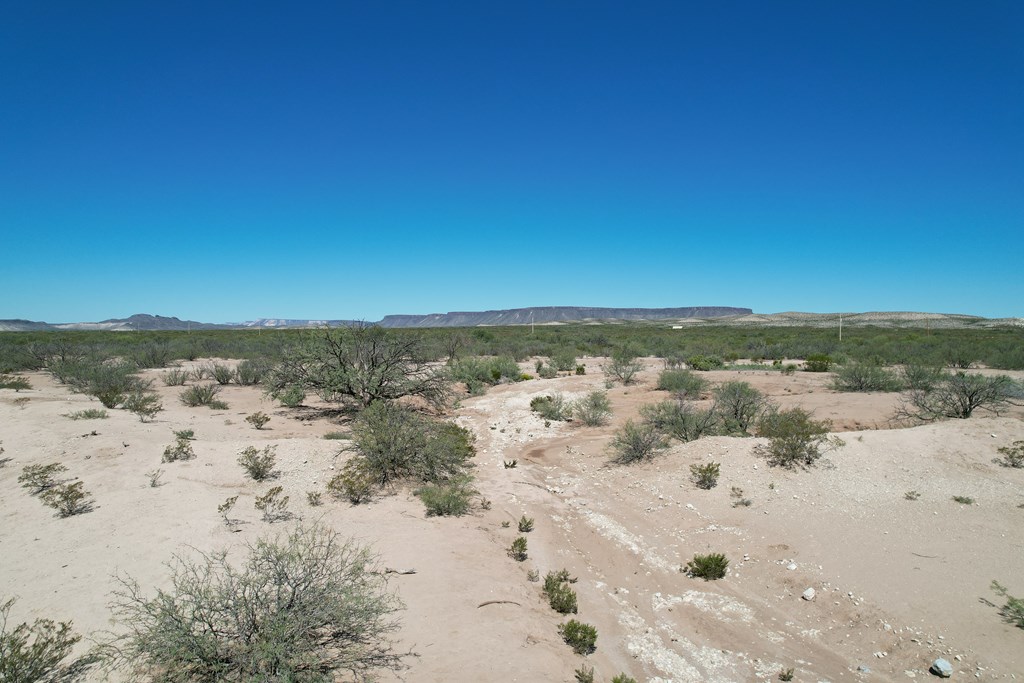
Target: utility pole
<point x="840" y="327"/>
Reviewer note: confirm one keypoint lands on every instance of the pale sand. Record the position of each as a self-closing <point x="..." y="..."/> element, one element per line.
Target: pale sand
<point x="918" y="571"/>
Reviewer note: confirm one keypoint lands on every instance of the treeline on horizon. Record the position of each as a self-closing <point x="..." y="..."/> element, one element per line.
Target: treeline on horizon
<point x="1001" y="348"/>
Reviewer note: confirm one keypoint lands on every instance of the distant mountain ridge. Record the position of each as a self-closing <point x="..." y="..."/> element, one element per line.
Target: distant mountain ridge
<point x="554" y="315"/>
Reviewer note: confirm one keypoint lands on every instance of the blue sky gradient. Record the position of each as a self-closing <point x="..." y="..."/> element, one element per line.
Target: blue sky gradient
<point x="235" y="160"/>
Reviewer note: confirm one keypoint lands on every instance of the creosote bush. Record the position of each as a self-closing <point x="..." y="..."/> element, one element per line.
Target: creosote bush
<point x="14" y="382"/>
<point x="705" y="475"/>
<point x="818" y="362"/>
<point x="708" y="567"/>
<point x="593" y="410"/>
<point x="355" y="483"/>
<point x="553" y="407"/>
<point x="682" y="383"/>
<point x="200" y="395"/>
<point x="1013" y="610"/>
<point x="144" y="404"/>
<point x="273" y="505"/>
<point x="635" y="442"/>
<point x="958" y="396"/>
<point x="865" y="376"/>
<point x="68" y="499"/>
<point x="304" y="607"/>
<point x="623" y="366"/>
<point x="88" y="414"/>
<point x="1013" y="456"/>
<point x="738" y="406"/>
<point x="181" y="449"/>
<point x="258" y="464"/>
<point x="679" y="419"/>
<point x="258" y="419"/>
<point x="39" y="478"/>
<point x="290" y="396"/>
<point x="582" y="638"/>
<point x="795" y="438"/>
<point x="35" y="653"/>
<point x="450" y="499"/>
<point x="705" y="363"/>
<point x="400" y="444"/>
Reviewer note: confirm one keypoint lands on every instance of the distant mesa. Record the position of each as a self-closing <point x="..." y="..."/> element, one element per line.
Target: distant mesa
<point x="685" y="317"/>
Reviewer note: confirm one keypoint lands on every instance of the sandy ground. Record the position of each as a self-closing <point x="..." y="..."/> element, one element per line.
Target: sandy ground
<point x="898" y="582"/>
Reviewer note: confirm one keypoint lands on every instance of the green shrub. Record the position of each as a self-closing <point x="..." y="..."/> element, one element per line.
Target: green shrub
<point x="1013" y="456"/>
<point x="623" y="678"/>
<point x="564" y="360"/>
<point x="225" y="509"/>
<point x="479" y="372"/>
<point x="818" y="362"/>
<point x="959" y="395"/>
<point x="920" y="377"/>
<point x="314" y="498"/>
<point x="250" y="372"/>
<point x="143" y="404"/>
<point x="584" y="674"/>
<point x="39" y="478"/>
<point x="795" y="438"/>
<point x="258" y="419"/>
<point x="560" y="597"/>
<point x="109" y="381"/>
<point x="14" y="382"/>
<point x="354" y="483"/>
<point x="553" y="407"/>
<point x="517" y="551"/>
<point x="593" y="410"/>
<point x="450" y="499"/>
<point x="186" y="434"/>
<point x="35" y="653"/>
<point x="708" y="567"/>
<point x="1013" y="610"/>
<point x="525" y="524"/>
<point x="681" y="420"/>
<point x="88" y="414"/>
<point x="963" y="500"/>
<point x="306" y="606"/>
<point x="290" y="396"/>
<point x="258" y="465"/>
<point x="705" y="475"/>
<point x="623" y="367"/>
<point x="398" y="443"/>
<point x="221" y="374"/>
<point x="683" y="383"/>
<point x="582" y="638"/>
<point x="786" y="675"/>
<point x="181" y="449"/>
<point x="273" y="505"/>
<point x="636" y="442"/>
<point x="738" y="406"/>
<point x="199" y="395"/>
<point x="705" y="363"/>
<point x="176" y="377"/>
<point x="337" y="436"/>
<point x="68" y="499"/>
<point x="860" y="376"/>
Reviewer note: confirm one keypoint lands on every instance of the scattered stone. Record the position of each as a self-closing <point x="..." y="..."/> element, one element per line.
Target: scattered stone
<point x="809" y="594"/>
<point x="941" y="668"/>
<point x="864" y="669"/>
<point x="791" y="566"/>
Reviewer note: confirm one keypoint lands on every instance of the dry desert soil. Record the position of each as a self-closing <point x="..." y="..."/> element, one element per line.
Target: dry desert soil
<point x="898" y="582"/>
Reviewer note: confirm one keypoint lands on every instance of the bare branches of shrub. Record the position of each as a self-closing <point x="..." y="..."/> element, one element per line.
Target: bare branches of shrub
<point x="304" y="607"/>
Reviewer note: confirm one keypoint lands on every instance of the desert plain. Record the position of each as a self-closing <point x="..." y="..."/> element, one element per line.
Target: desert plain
<point x="897" y="582"/>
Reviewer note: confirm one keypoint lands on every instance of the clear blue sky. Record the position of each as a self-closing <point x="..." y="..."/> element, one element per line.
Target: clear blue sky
<point x="224" y="161"/>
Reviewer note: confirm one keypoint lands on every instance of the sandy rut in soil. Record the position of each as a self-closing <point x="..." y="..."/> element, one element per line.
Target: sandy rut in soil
<point x="898" y="582"/>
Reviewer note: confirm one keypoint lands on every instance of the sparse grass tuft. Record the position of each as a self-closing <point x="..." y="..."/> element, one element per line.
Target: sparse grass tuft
<point x="88" y="414"/>
<point x="68" y="499"/>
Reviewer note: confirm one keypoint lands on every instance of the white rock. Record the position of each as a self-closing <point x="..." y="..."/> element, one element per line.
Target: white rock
<point x="791" y="566"/>
<point x="809" y="594"/>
